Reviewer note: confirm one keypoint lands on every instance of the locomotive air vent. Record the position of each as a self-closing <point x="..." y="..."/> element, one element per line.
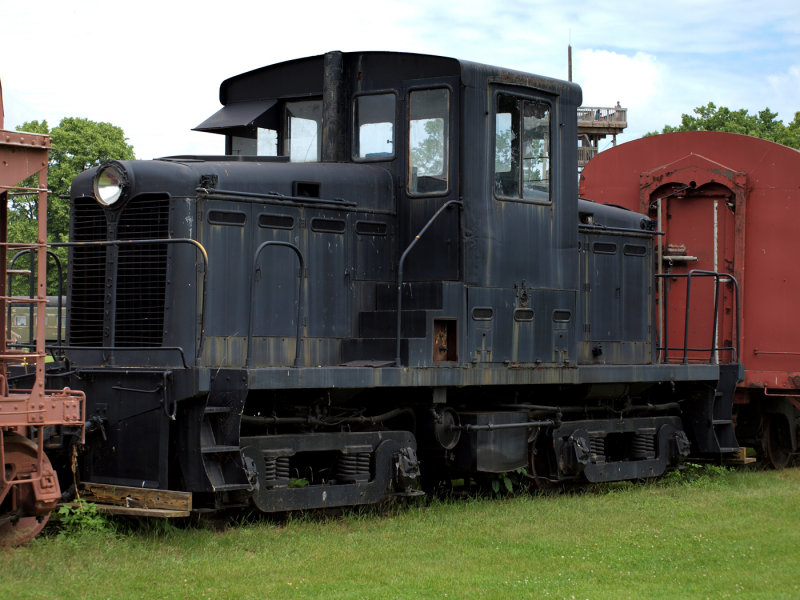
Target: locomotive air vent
<point x="226" y="217"/>
<point x="328" y="225"/>
<point x="305" y="189"/>
<point x="131" y="279"/>
<point x="276" y="221"/>
<point x="142" y="272"/>
<point x="88" y="273"/>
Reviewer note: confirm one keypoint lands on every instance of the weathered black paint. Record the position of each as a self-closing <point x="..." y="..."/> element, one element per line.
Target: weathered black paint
<point x="506" y="305"/>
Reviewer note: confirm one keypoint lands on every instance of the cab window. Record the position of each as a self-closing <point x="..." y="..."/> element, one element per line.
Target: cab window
<point x="428" y="137"/>
<point x="522" y="165"/>
<point x="374" y="131"/>
<point x="303" y="140"/>
<point x="265" y="143"/>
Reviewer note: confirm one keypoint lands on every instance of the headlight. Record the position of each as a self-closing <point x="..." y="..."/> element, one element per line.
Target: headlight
<point x="109" y="184"/>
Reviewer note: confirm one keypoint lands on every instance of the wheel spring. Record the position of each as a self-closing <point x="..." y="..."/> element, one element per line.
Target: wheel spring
<point x="355" y="467"/>
<point x="598" y="448"/>
<point x="643" y="446"/>
<point x="275" y="468"/>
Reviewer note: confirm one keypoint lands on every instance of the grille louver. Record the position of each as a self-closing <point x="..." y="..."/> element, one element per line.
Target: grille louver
<point x="142" y="273"/>
<point x="139" y="280"/>
<point x="88" y="272"/>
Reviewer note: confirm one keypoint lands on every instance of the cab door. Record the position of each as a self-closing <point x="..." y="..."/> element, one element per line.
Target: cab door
<point x="430" y="179"/>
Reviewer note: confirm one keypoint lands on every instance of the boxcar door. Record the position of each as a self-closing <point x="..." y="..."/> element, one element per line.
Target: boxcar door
<point x="699" y="236"/>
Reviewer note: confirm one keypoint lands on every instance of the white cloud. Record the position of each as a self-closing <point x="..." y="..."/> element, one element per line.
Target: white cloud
<point x="784" y="93"/>
<point x="607" y="77"/>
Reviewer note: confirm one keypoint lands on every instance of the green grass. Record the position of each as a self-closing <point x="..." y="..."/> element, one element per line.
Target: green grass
<point x="711" y="534"/>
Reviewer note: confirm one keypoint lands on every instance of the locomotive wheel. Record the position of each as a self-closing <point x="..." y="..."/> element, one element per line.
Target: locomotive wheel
<point x="776" y="442"/>
<point x="21" y="518"/>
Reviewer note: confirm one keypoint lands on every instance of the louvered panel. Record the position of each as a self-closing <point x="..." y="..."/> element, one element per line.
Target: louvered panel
<point x="142" y="273"/>
<point x="87" y="272"/>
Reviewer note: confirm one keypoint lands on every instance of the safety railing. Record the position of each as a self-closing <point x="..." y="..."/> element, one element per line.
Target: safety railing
<point x="585" y="154"/>
<point x="713" y="349"/>
<point x="599" y="115"/>
<point x="13" y="272"/>
<point x="202" y="312"/>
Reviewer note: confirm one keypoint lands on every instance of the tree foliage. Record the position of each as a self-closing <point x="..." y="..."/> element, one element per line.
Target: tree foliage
<point x="764" y="124"/>
<point x="76" y="145"/>
<point x="427" y="146"/>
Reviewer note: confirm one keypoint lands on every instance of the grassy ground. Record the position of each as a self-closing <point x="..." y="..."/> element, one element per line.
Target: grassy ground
<point x="711" y="535"/>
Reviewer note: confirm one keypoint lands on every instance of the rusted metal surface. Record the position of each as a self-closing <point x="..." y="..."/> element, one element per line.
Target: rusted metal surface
<point x="29" y="487"/>
<point x="727" y="203"/>
<point x="735" y="203"/>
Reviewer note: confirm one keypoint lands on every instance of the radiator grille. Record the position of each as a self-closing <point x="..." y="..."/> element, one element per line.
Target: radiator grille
<point x="142" y="273"/>
<point x="139" y="281"/>
<point x="88" y="272"/>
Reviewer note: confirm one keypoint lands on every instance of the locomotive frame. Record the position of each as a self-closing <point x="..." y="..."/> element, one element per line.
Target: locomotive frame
<point x="388" y="280"/>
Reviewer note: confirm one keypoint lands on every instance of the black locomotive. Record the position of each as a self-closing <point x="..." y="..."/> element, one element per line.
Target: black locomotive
<point x="388" y="280"/>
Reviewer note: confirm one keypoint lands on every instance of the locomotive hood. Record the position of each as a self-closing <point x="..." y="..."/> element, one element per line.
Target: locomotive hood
<point x="366" y="186"/>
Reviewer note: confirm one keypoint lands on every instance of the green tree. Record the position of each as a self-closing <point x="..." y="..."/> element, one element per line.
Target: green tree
<point x="76" y="145"/>
<point x="764" y="124"/>
<point x="427" y="146"/>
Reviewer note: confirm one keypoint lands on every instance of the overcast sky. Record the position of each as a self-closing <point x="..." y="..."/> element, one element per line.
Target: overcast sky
<point x="154" y="67"/>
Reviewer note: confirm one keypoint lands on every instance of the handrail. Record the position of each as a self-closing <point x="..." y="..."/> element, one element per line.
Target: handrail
<point x="60" y="293"/>
<point x="602" y="114"/>
<point x="714" y="348"/>
<point x="194" y="243"/>
<point x="299" y="338"/>
<point x="400" y="271"/>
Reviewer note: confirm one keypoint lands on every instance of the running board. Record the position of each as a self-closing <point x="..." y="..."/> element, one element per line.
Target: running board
<point x="137" y="502"/>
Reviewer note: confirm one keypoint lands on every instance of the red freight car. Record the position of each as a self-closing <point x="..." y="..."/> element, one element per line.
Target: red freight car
<point x="726" y="203"/>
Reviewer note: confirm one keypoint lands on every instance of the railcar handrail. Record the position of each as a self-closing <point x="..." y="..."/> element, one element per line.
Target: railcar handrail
<point x="610" y="114"/>
<point x="59" y="303"/>
<point x="194" y="243"/>
<point x="300" y="307"/>
<point x="223" y="194"/>
<point x="718" y="279"/>
<point x="413" y="243"/>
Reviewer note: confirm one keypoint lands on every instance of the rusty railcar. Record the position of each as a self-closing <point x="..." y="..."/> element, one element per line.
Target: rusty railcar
<point x="726" y="202"/>
<point x="30" y="419"/>
<point x="386" y="281"/>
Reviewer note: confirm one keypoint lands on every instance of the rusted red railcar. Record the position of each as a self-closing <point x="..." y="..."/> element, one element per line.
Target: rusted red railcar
<point x="29" y="487"/>
<point x="730" y="204"/>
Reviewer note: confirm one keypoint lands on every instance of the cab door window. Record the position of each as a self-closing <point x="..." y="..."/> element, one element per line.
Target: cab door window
<point x="373" y="137"/>
<point x="428" y="141"/>
<point x="522" y="165"/>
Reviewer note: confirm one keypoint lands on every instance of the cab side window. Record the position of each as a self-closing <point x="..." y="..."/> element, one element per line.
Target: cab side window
<point x="303" y="141"/>
<point x="428" y="141"/>
<point x="522" y="164"/>
<point x="373" y="137"/>
<point x="265" y="143"/>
